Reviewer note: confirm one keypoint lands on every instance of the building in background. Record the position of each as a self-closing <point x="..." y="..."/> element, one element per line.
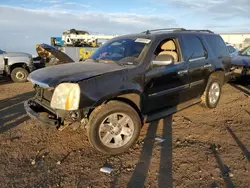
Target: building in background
<point x="239" y="40"/>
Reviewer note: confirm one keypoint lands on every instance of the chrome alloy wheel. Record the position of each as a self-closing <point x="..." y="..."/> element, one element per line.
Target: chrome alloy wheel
<point x="214" y="93"/>
<point x="20" y="75"/>
<point x="116" y="130"/>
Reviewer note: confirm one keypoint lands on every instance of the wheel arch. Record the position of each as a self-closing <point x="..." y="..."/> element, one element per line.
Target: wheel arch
<point x="19" y="64"/>
<point x="219" y="73"/>
<point x="131" y="98"/>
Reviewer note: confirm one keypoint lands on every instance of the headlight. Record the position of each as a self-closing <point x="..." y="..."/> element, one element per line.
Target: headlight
<point x="66" y="97"/>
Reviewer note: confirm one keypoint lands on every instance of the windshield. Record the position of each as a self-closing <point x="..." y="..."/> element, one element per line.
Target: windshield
<point x="121" y="51"/>
<point x="246" y="51"/>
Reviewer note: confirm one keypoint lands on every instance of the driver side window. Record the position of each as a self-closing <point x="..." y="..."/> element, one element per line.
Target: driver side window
<point x="167" y="47"/>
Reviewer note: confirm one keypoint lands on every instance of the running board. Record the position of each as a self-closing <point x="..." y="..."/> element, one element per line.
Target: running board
<point x="170" y="111"/>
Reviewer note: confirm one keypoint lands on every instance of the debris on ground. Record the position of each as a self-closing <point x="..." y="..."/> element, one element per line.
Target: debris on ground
<point x="33" y="162"/>
<point x="107" y="170"/>
<point x="159" y="139"/>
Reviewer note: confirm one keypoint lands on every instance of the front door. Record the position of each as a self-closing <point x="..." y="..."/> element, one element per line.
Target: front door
<point x="166" y="85"/>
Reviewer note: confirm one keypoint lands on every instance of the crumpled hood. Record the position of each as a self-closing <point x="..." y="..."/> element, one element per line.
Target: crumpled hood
<point x="70" y="72"/>
<point x="16" y="54"/>
<point x="241" y="60"/>
<point x="43" y="50"/>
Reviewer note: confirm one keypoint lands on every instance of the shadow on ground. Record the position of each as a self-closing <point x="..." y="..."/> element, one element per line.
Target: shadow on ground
<point x="5" y="80"/>
<point x="165" y="177"/>
<point x="12" y="111"/>
<point x="244" y="89"/>
<point x="239" y="143"/>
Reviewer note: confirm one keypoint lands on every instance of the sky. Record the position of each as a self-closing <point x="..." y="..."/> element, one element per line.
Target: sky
<point x="25" y="23"/>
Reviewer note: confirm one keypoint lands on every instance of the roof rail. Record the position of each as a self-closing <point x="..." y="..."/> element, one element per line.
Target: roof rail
<point x="198" y="30"/>
<point x="176" y="29"/>
<point x="164" y="29"/>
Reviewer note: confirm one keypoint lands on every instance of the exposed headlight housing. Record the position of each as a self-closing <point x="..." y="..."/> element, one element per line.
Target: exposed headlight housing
<point x="66" y="97"/>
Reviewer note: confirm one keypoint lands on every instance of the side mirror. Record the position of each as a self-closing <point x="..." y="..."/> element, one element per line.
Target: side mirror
<point x="163" y="60"/>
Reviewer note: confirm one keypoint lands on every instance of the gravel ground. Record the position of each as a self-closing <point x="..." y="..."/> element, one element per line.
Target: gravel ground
<point x="203" y="148"/>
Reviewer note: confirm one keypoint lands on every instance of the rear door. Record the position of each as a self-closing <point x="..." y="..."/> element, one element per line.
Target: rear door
<point x="199" y="66"/>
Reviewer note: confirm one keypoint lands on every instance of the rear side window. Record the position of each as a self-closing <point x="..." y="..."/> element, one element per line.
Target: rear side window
<point x="217" y="46"/>
<point x="193" y="47"/>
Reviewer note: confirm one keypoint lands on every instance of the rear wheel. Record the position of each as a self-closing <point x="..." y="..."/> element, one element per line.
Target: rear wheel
<point x="212" y="94"/>
<point x="113" y="127"/>
<point x="19" y="74"/>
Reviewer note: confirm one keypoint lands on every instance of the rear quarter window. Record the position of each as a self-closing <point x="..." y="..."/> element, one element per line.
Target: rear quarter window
<point x="217" y="45"/>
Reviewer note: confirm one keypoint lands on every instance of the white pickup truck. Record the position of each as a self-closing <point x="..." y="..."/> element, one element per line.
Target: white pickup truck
<point x="16" y="64"/>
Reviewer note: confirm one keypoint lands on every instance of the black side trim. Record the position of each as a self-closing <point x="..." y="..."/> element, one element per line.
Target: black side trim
<point x="197" y="83"/>
<point x="168" y="91"/>
<point x="169" y="111"/>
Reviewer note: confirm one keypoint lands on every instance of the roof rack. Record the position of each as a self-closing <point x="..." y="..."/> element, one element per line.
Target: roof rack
<point x="176" y="29"/>
<point x="164" y="29"/>
<point x="198" y="30"/>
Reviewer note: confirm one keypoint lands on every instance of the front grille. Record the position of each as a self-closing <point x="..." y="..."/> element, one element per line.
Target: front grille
<point x="47" y="95"/>
<point x="43" y="94"/>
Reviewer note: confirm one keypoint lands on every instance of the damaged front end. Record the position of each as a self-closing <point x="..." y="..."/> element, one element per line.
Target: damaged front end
<point x="40" y="108"/>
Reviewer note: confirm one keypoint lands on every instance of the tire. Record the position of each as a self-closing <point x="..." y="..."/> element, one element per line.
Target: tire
<point x="206" y="97"/>
<point x="19" y="75"/>
<point x="102" y="113"/>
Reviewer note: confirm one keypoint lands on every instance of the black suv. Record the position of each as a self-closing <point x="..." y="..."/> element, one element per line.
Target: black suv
<point x="130" y="80"/>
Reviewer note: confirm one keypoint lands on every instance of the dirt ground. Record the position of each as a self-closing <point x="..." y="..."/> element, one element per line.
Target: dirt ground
<point x="203" y="148"/>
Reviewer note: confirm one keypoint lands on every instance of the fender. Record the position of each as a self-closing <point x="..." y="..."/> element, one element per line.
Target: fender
<point x="10" y="67"/>
<point x="101" y="89"/>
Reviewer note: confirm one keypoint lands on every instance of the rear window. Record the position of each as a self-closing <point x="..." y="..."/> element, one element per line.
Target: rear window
<point x="217" y="46"/>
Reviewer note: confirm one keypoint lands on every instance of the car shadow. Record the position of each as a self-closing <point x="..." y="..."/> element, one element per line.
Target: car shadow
<point x="239" y="143"/>
<point x="5" y="80"/>
<point x="165" y="177"/>
<point x="223" y="168"/>
<point x="12" y="111"/>
<point x="242" y="88"/>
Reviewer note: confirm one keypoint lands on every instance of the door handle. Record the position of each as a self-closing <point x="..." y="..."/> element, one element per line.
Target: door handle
<point x="207" y="65"/>
<point x="182" y="72"/>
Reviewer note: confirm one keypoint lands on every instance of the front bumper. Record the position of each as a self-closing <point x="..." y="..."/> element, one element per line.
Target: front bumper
<point x="54" y="118"/>
<point x="36" y="111"/>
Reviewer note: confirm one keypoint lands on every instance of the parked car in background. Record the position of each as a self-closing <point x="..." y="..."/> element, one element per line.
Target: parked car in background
<point x="17" y="65"/>
<point x="232" y="50"/>
<point x="241" y="65"/>
<point x="130" y="80"/>
<point x="245" y="51"/>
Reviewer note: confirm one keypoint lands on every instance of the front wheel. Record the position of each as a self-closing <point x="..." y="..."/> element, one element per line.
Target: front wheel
<point x="113" y="127"/>
<point x="19" y="74"/>
<point x="212" y="94"/>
